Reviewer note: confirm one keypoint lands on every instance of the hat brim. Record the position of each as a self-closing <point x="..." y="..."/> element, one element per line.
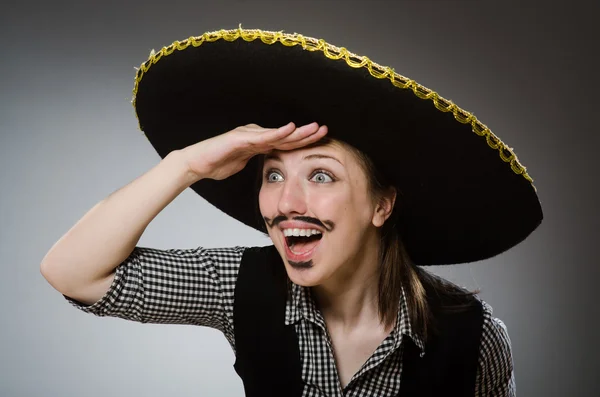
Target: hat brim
<point x="464" y="194"/>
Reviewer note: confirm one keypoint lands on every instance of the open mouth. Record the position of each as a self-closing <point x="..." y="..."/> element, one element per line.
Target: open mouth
<point x="302" y="244"/>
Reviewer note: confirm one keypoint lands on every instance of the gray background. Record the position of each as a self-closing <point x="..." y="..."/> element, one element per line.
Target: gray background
<point x="69" y="138"/>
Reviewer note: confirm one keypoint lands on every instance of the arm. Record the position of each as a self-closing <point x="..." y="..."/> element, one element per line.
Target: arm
<point x="81" y="264"/>
<point x="175" y="286"/>
<point x="495" y="375"/>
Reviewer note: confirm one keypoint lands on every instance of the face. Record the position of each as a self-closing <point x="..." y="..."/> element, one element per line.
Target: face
<point x="320" y="213"/>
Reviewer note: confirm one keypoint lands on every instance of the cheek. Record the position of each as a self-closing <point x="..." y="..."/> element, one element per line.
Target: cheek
<point x="326" y="205"/>
<point x="342" y="205"/>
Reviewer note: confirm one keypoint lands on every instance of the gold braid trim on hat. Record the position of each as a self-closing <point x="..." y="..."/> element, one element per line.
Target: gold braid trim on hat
<point x="353" y="60"/>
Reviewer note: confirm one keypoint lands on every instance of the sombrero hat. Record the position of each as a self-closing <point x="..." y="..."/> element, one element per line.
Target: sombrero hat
<point x="464" y="195"/>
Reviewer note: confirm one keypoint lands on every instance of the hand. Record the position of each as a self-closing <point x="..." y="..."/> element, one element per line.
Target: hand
<point x="226" y="154"/>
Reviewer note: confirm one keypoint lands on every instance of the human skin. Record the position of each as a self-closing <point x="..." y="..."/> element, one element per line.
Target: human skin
<point x="82" y="263"/>
<point x="326" y="185"/>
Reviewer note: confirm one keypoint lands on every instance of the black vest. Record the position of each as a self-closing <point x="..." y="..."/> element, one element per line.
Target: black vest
<point x="268" y="356"/>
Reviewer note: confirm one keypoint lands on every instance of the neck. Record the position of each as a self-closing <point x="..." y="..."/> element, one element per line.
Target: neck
<point x="350" y="299"/>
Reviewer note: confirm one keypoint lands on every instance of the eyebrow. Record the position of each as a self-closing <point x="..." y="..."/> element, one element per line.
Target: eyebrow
<point x="309" y="157"/>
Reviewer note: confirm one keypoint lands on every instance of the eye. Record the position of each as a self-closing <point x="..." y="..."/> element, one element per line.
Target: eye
<point x="321" y="177"/>
<point x="273" y="176"/>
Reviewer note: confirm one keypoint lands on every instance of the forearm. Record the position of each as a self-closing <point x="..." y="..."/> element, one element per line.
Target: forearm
<point x="108" y="233"/>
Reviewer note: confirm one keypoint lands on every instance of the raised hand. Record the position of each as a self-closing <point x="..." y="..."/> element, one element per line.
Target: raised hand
<point x="226" y="154"/>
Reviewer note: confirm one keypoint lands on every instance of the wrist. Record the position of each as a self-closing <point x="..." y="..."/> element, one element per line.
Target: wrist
<point x="177" y="161"/>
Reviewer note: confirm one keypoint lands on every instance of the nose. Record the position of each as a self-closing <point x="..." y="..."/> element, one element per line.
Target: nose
<point x="292" y="199"/>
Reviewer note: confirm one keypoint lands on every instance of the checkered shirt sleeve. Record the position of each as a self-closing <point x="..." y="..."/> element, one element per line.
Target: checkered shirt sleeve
<point x="196" y="286"/>
<point x="495" y="374"/>
<point x="175" y="286"/>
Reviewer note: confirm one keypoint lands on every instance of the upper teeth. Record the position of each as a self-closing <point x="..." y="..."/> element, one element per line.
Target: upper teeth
<point x="300" y="232"/>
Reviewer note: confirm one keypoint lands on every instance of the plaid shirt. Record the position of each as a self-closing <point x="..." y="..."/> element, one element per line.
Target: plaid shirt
<point x="196" y="286"/>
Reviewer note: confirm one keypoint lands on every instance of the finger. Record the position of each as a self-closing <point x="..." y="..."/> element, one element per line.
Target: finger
<point x="288" y="133"/>
<point x="267" y="140"/>
<point x="269" y="135"/>
<point x="254" y="127"/>
<point x="306" y="140"/>
<point x="300" y="133"/>
<point x="263" y="139"/>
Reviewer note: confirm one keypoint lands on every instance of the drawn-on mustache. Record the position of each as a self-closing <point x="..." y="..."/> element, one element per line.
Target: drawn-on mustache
<point x="327" y="225"/>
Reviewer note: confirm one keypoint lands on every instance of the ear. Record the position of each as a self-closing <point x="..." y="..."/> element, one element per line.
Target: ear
<point x="384" y="207"/>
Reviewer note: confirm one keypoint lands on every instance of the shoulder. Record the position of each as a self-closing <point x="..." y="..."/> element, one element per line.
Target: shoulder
<point x="220" y="263"/>
<point x="260" y="256"/>
<point x="225" y="255"/>
<point x="188" y="255"/>
<point x="495" y="365"/>
<point x="261" y="263"/>
<point x="495" y="342"/>
<point x="217" y="267"/>
<point x="445" y="297"/>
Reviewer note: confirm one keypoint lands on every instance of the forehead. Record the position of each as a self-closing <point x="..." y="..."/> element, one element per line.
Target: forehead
<point x="333" y="149"/>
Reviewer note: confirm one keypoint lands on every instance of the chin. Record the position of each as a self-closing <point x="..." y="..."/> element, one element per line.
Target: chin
<point x="303" y="274"/>
<point x="303" y="281"/>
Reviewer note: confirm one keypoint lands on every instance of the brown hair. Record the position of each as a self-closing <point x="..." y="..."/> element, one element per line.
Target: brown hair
<point x="396" y="269"/>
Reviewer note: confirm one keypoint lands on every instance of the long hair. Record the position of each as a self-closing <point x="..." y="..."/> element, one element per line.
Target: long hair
<point x="397" y="272"/>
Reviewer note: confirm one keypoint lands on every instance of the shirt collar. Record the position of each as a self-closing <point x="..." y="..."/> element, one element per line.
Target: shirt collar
<point x="300" y="305"/>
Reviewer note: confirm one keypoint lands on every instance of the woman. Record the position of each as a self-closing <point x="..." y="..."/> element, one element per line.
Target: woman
<point x="393" y="177"/>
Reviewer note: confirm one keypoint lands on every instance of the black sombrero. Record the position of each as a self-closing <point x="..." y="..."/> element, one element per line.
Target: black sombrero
<point x="464" y="195"/>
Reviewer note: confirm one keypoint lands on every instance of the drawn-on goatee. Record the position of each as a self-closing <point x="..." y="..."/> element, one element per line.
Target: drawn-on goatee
<point x="301" y="265"/>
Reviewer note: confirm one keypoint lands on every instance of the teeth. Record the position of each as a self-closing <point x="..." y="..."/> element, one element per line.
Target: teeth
<point x="300" y="232"/>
